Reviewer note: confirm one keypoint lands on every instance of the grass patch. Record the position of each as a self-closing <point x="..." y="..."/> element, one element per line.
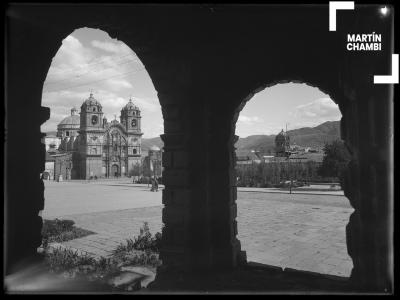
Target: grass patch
<point x="143" y="251"/>
<point x="61" y="231"/>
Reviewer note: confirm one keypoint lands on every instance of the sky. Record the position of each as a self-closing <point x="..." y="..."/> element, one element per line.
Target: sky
<point x="295" y="104"/>
<point x="89" y="60"/>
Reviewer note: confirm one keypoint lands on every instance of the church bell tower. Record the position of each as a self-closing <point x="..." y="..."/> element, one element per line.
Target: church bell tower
<point x="130" y="118"/>
<point x="91" y="139"/>
<point x="131" y="121"/>
<point x="91" y="114"/>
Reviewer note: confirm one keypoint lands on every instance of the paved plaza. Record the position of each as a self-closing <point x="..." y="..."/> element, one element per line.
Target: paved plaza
<point x="300" y="231"/>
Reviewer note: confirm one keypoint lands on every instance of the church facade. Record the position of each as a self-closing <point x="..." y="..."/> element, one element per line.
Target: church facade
<point x="282" y="144"/>
<point x="100" y="148"/>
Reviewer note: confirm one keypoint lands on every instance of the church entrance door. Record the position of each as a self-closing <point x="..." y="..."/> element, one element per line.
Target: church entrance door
<point x="114" y="170"/>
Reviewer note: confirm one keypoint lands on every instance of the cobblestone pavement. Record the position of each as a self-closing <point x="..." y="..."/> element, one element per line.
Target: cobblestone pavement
<point x="113" y="228"/>
<point x="299" y="231"/>
<point x="305" y="232"/>
<point x="78" y="197"/>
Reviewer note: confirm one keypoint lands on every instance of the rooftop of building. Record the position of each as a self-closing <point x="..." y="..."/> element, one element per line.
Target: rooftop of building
<point x="49" y="157"/>
<point x="307" y="156"/>
<point x="246" y="155"/>
<point x="130" y="106"/>
<point x="70" y="120"/>
<point x="91" y="101"/>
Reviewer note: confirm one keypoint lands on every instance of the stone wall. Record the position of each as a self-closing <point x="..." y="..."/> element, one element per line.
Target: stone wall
<point x="205" y="63"/>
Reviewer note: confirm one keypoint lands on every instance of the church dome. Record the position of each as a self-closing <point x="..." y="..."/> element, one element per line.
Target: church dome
<point x="70" y="120"/>
<point x="91" y="101"/>
<point x="73" y="121"/>
<point x="281" y="136"/>
<point x="69" y="126"/>
<point x="130" y="106"/>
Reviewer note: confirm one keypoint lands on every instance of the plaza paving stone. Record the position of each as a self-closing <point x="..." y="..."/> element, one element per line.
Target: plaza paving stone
<point x="299" y="231"/>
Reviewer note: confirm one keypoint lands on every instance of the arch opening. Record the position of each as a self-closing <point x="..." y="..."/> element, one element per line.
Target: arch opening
<point x="106" y="121"/>
<point x="290" y="159"/>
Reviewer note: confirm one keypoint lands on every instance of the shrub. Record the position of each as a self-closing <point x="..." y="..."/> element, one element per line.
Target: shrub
<point x="142" y="250"/>
<point x="60" y="231"/>
<point x="146" y="258"/>
<point x="143" y="242"/>
<point x="61" y="259"/>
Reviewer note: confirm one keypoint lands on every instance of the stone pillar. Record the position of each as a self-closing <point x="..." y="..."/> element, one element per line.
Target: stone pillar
<point x="367" y="129"/>
<point x="185" y="244"/>
<point x="29" y="53"/>
<point x="222" y="190"/>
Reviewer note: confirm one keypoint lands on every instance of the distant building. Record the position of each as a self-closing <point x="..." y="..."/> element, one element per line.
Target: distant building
<point x="284" y="152"/>
<point x="63" y="166"/>
<point x="48" y="173"/>
<point x="152" y="163"/>
<point x="90" y="146"/>
<point x="245" y="157"/>
<point x="51" y="142"/>
<point x="307" y="156"/>
<point x="282" y="144"/>
<point x="268" y="158"/>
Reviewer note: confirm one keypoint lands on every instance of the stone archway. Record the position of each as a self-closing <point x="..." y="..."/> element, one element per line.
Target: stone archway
<point x="115" y="170"/>
<point x="261" y="246"/>
<point x="202" y="72"/>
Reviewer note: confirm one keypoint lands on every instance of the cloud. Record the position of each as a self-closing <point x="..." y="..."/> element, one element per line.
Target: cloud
<point x="61" y="102"/>
<point x="76" y="65"/>
<point x="249" y="120"/>
<point x="72" y="53"/>
<point x="113" y="47"/>
<point x="119" y="83"/>
<point x="318" y="111"/>
<point x="261" y="129"/>
<point x="152" y="130"/>
<point x="110" y="70"/>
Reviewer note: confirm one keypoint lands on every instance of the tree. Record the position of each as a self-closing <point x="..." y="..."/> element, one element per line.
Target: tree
<point x="136" y="170"/>
<point x="336" y="158"/>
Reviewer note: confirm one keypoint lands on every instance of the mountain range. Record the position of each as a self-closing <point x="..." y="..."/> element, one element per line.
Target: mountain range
<point x="314" y="137"/>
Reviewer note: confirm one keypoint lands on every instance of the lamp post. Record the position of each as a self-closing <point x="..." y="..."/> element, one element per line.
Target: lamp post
<point x="290" y="173"/>
<point x="59" y="174"/>
<point x="290" y="176"/>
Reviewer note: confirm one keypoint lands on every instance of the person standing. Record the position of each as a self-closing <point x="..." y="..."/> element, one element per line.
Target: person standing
<point x="156" y="184"/>
<point x="152" y="184"/>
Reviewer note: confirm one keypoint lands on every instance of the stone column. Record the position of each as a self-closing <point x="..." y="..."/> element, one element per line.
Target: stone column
<point x="29" y="57"/>
<point x="367" y="129"/>
<point x="185" y="232"/>
<point x="222" y="190"/>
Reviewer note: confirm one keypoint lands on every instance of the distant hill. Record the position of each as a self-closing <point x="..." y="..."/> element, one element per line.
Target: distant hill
<point x="314" y="137"/>
<point x="51" y="133"/>
<point x="263" y="143"/>
<point x="147" y="143"/>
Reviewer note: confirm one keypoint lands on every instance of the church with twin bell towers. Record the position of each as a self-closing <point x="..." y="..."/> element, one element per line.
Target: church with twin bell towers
<point x="100" y="148"/>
